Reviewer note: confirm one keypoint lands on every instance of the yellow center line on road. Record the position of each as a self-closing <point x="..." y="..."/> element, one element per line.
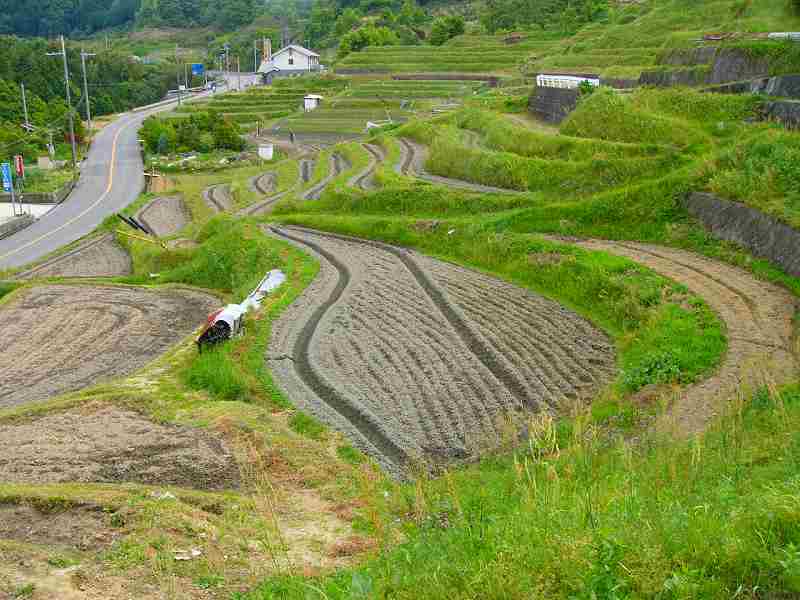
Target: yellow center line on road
<point x="88" y="208"/>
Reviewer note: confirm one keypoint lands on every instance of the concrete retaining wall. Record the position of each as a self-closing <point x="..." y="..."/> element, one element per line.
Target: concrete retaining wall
<point x="706" y="66"/>
<point x="764" y="236"/>
<point x="14" y="225"/>
<point x="42" y="198"/>
<point x="552" y="104"/>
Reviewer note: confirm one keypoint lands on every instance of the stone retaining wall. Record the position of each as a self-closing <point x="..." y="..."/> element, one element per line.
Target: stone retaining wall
<point x="764" y="236"/>
<point x="553" y="104"/>
<point x="14" y="225"/>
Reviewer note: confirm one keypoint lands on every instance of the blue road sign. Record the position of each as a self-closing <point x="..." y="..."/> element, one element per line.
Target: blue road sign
<point x="198" y="69"/>
<point x="7" y="181"/>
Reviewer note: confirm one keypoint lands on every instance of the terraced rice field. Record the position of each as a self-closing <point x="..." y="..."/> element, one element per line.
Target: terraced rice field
<point x="218" y="197"/>
<point x="412" y="163"/>
<point x="337" y="164"/>
<point x="420" y="360"/>
<point x="63" y="338"/>
<point x="365" y="180"/>
<point x="464" y="54"/>
<point x="96" y="257"/>
<point x="264" y="103"/>
<point x="379" y="100"/>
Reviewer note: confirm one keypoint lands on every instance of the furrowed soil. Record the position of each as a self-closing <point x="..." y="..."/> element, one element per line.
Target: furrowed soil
<point x="419" y="360"/>
<point x="62" y="338"/>
<point x="165" y="216"/>
<point x="97" y="257"/>
<point x="107" y="444"/>
<point x="757" y="315"/>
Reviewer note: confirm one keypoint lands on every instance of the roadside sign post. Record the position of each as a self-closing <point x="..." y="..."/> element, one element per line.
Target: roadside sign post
<point x="8" y="184"/>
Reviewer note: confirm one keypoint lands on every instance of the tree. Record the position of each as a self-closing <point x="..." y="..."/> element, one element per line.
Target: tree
<point x="366" y="36"/>
<point x="445" y="28"/>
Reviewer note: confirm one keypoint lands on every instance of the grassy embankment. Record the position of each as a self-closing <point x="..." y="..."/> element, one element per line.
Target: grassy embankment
<point x="579" y="513"/>
<point x="291" y="468"/>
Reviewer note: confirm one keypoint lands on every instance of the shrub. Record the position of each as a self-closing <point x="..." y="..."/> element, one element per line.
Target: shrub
<point x="445" y="28"/>
<point x="366" y="36"/>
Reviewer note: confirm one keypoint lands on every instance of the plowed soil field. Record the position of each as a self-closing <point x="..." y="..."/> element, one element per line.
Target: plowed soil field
<point x="97" y="257"/>
<point x="165" y="216"/>
<point x="106" y="444"/>
<point x="418" y="360"/>
<point x="60" y="338"/>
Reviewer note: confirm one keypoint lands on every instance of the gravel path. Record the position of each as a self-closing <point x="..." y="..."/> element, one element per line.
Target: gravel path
<point x="366" y="179"/>
<point x="106" y="444"/>
<point x="337" y="165"/>
<point x="757" y="315"/>
<point x="412" y="164"/>
<point x="97" y="257"/>
<point x="164" y="216"/>
<point x="218" y="197"/>
<point x="61" y="338"/>
<point x="417" y="359"/>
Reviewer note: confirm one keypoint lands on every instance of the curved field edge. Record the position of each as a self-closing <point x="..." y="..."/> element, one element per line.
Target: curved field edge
<point x="664" y="335"/>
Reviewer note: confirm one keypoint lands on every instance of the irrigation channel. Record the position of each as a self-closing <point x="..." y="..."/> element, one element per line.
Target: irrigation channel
<point x="418" y="360"/>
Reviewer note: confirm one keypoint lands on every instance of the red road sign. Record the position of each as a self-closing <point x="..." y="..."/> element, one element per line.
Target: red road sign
<point x="19" y="165"/>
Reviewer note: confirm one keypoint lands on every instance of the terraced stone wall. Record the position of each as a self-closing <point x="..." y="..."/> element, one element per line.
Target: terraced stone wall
<point x="763" y="235"/>
<point x="552" y="104"/>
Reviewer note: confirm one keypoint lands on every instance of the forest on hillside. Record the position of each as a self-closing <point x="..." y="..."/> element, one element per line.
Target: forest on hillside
<point x="320" y="21"/>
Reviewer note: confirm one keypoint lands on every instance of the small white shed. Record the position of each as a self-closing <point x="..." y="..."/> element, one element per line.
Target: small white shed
<point x="311" y="102"/>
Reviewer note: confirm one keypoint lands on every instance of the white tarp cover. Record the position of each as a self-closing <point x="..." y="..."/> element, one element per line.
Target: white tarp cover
<point x="271" y="282"/>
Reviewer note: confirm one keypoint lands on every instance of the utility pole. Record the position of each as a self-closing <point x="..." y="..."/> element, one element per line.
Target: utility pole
<point x="84" y="56"/>
<point x="178" y="74"/>
<point x="25" y="106"/>
<point x="238" y="74"/>
<point x="63" y="54"/>
<point x="255" y="56"/>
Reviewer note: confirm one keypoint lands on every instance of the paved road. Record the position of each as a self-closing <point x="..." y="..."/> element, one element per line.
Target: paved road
<point x="111" y="178"/>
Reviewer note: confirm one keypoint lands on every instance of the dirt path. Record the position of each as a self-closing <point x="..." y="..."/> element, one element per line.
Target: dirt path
<point x="218" y="197"/>
<point x="417" y="359"/>
<point x="366" y="180"/>
<point x="97" y="257"/>
<point x="61" y="338"/>
<point x="412" y="164"/>
<point x="164" y="216"/>
<point x="338" y="165"/>
<point x="758" y="317"/>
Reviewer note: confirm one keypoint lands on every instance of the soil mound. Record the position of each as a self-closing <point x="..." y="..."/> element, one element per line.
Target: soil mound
<point x="60" y="338"/>
<point x="107" y="444"/>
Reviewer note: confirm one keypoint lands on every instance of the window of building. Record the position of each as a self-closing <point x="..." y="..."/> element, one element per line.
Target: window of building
<point x="291" y="60"/>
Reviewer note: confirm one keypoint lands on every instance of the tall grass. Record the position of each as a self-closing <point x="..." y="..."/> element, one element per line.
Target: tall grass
<point x="574" y="516"/>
